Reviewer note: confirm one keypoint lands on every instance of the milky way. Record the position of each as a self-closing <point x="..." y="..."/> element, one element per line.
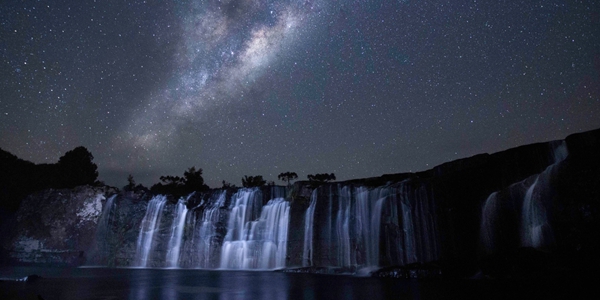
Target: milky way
<point x="252" y="87"/>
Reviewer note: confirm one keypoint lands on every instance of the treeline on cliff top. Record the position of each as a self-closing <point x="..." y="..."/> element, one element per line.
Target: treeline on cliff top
<point x="19" y="177"/>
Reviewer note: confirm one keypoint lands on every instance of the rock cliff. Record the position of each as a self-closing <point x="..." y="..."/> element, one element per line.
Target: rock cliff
<point x="55" y="226"/>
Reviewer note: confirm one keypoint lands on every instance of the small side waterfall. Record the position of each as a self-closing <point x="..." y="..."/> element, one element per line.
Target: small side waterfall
<point x="102" y="249"/>
<point x="536" y="230"/>
<point x="104" y="222"/>
<point x="488" y="222"/>
<point x="105" y="218"/>
<point x="177" y="233"/>
<point x="527" y="204"/>
<point x="148" y="228"/>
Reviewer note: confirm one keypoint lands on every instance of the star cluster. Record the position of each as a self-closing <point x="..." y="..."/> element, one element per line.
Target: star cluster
<point x="260" y="87"/>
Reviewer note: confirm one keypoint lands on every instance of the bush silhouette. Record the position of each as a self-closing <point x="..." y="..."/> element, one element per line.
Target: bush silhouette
<point x="191" y="181"/>
<point x="321" y="177"/>
<point x="253" y="181"/>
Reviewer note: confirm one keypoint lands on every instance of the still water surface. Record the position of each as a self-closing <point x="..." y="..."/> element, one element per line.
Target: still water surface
<point x="108" y="283"/>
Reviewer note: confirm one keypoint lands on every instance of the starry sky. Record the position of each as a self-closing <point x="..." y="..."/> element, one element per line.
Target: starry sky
<point x="261" y="87"/>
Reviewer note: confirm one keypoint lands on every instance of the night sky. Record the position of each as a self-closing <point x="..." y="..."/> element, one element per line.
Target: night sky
<point x="253" y="87"/>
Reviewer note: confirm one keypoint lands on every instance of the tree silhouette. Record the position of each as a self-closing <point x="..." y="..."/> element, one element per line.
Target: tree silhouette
<point x="130" y="183"/>
<point x="288" y="176"/>
<point x="76" y="168"/>
<point x="19" y="178"/>
<point x="193" y="180"/>
<point x="321" y="177"/>
<point x="227" y="185"/>
<point x="180" y="186"/>
<point x="253" y="181"/>
<point x="169" y="185"/>
<point x="131" y="186"/>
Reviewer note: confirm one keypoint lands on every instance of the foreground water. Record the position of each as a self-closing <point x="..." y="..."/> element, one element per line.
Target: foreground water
<point x="107" y="283"/>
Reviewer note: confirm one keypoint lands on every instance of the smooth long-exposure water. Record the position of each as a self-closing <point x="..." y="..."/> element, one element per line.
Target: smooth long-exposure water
<point x="107" y="283"/>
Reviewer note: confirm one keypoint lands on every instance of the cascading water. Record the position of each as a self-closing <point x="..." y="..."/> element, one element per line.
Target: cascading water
<point x="104" y="221"/>
<point x="526" y="203"/>
<point x="536" y="230"/>
<point x="253" y="241"/>
<point x="488" y="221"/>
<point x="368" y="216"/>
<point x="365" y="228"/>
<point x="307" y="253"/>
<point x="408" y="228"/>
<point x="426" y="233"/>
<point x="208" y="245"/>
<point x="177" y="233"/>
<point x="344" y="226"/>
<point x="102" y="247"/>
<point x="105" y="218"/>
<point x="344" y="251"/>
<point x="148" y="229"/>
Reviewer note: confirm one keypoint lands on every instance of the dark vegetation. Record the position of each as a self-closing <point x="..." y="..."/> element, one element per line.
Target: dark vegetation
<point x="19" y="177"/>
<point x="321" y="177"/>
<point x="132" y="187"/>
<point x="191" y="181"/>
<point x="253" y="181"/>
<point x="227" y="185"/>
<point x="288" y="176"/>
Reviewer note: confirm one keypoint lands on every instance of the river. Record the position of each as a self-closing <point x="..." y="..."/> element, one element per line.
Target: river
<point x="131" y="283"/>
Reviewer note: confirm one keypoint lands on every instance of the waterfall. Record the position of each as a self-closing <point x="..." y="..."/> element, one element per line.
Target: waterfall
<point x="256" y="235"/>
<point x="102" y="243"/>
<point x="527" y="203"/>
<point x="104" y="221"/>
<point x="429" y="246"/>
<point x="177" y="233"/>
<point x="410" y="253"/>
<point x="419" y="225"/>
<point x="344" y="226"/>
<point x="148" y="228"/>
<point x="368" y="217"/>
<point x="344" y="253"/>
<point x="536" y="230"/>
<point x="208" y="243"/>
<point x="488" y="222"/>
<point x="369" y="227"/>
<point x="307" y="253"/>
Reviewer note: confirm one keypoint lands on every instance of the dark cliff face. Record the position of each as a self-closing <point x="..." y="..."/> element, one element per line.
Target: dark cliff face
<point x="457" y="193"/>
<point x="532" y="206"/>
<point x="55" y="226"/>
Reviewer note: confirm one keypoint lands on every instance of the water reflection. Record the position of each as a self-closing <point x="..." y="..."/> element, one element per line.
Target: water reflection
<point x="105" y="283"/>
<point x="201" y="284"/>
